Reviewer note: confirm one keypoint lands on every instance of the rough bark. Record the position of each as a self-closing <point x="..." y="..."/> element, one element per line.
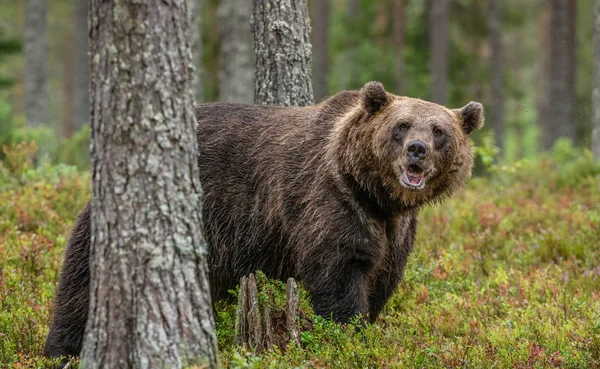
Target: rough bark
<point x="561" y="81"/>
<point x="259" y="323"/>
<point x="150" y="303"/>
<point x="241" y="330"/>
<point x="81" y="101"/>
<point x="496" y="66"/>
<point x="596" y="87"/>
<point x="236" y="54"/>
<point x="320" y="37"/>
<point x="399" y="11"/>
<point x="282" y="52"/>
<point x="36" y="99"/>
<point x="255" y="326"/>
<point x="196" y="7"/>
<point x="438" y="48"/>
<point x="292" y="303"/>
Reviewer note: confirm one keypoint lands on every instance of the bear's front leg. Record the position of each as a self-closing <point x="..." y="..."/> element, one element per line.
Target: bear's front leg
<point x="390" y="272"/>
<point x="337" y="289"/>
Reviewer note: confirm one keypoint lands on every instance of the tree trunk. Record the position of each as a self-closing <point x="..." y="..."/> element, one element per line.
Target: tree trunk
<point x="196" y="7"/>
<point x="81" y="106"/>
<point x="543" y="73"/>
<point x="150" y="301"/>
<point x="399" y="10"/>
<point x="381" y="22"/>
<point x="68" y="85"/>
<point x="353" y="9"/>
<point x="349" y="57"/>
<point x="561" y="81"/>
<point x="236" y="55"/>
<point x="497" y="91"/>
<point x="259" y="322"/>
<point x="438" y="47"/>
<point x="282" y="49"/>
<point x="320" y="36"/>
<point x="36" y="99"/>
<point x="596" y="87"/>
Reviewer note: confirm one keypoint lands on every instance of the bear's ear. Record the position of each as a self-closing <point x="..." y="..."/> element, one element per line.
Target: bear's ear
<point x="374" y="97"/>
<point x="471" y="116"/>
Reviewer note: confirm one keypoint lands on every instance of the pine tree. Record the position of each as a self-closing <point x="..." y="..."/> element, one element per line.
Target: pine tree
<point x="282" y="49"/>
<point x="150" y="304"/>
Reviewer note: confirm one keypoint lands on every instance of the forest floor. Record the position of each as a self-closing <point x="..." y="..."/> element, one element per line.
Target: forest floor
<point x="506" y="274"/>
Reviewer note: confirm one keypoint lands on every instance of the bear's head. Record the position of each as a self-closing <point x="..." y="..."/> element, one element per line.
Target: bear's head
<point x="399" y="153"/>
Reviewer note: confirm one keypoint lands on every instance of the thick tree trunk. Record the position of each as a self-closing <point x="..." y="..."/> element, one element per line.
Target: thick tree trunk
<point x="596" y="87"/>
<point x="399" y="11"/>
<point x="36" y="99"/>
<point x="497" y="90"/>
<point x="438" y="48"/>
<point x="561" y="81"/>
<point x="196" y="7"/>
<point x="81" y="103"/>
<point x="282" y="52"/>
<point x="236" y="55"/>
<point x="150" y="301"/>
<point x="320" y="36"/>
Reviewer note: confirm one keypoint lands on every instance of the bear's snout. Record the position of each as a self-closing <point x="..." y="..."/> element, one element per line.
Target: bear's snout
<point x="417" y="150"/>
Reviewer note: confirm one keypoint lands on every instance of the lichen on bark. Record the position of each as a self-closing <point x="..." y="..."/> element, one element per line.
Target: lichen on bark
<point x="150" y="300"/>
<point x="282" y="52"/>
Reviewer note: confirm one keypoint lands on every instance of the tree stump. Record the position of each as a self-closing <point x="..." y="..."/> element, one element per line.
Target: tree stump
<point x="259" y="323"/>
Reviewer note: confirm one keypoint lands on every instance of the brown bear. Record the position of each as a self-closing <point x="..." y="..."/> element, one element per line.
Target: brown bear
<point x="328" y="194"/>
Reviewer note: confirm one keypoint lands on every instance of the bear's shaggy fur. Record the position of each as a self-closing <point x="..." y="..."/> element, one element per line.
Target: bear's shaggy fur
<point x="328" y="194"/>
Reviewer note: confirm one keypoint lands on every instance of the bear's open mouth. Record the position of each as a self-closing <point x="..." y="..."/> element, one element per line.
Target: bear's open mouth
<point x="413" y="176"/>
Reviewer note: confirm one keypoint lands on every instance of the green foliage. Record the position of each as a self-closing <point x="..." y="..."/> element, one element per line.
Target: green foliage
<point x="74" y="151"/>
<point x="37" y="208"/>
<point x="486" y="151"/>
<point x="13" y="131"/>
<point x="8" y="126"/>
<point x="9" y="45"/>
<point x="565" y="166"/>
<point x="45" y="139"/>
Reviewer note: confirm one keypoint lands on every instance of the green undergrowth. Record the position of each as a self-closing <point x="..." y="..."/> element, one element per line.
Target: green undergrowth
<point x="506" y="274"/>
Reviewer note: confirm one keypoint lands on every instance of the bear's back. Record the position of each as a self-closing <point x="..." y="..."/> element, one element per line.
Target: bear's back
<point x="242" y="146"/>
<point x="252" y="146"/>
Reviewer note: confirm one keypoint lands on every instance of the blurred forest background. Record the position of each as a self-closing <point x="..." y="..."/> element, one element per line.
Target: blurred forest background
<point x="505" y="274"/>
<point x="528" y="61"/>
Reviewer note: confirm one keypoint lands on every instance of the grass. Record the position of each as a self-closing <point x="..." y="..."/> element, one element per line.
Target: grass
<point x="506" y="274"/>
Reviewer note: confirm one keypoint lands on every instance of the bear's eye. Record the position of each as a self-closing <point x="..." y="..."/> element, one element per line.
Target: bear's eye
<point x="400" y="131"/>
<point x="437" y="132"/>
<point x="402" y="127"/>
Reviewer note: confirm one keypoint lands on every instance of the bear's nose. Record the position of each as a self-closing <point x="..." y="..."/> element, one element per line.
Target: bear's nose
<point x="417" y="150"/>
